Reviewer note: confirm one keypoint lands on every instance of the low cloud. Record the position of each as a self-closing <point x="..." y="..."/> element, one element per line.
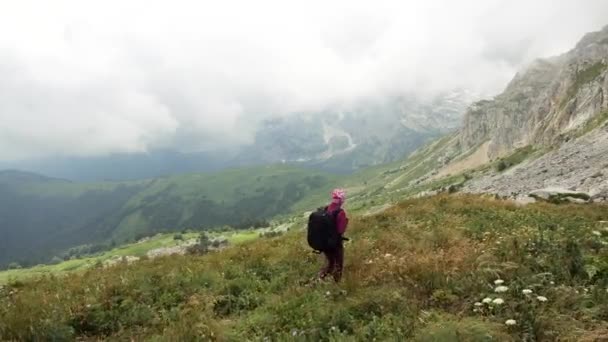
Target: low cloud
<point x="91" y="78"/>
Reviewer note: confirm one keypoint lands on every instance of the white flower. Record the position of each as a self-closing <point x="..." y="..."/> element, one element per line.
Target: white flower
<point x="552" y="283"/>
<point x="388" y="255"/>
<point x="596" y="233"/>
<point x="527" y="291"/>
<point x="487" y="300"/>
<point x="478" y="304"/>
<point x="501" y="289"/>
<point x="328" y="293"/>
<point x="498" y="301"/>
<point x="499" y="282"/>
<point x="541" y="299"/>
<point x="511" y="322"/>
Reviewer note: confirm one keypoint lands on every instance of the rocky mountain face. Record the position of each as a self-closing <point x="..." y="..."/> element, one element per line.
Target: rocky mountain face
<point x="557" y="108"/>
<point x="368" y="133"/>
<point x="543" y="103"/>
<point x="578" y="166"/>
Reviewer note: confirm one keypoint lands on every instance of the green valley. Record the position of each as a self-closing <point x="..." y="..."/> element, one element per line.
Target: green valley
<point x="43" y="217"/>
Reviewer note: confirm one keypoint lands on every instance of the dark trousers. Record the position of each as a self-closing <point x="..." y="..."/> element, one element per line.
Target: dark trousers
<point x="335" y="263"/>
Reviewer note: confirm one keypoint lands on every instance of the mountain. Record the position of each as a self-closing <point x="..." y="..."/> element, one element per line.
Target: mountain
<point x="368" y="133"/>
<point x="446" y="267"/>
<point x="546" y="132"/>
<point x="545" y="102"/>
<point x="40" y="217"/>
<point x="340" y="139"/>
<point x="558" y="107"/>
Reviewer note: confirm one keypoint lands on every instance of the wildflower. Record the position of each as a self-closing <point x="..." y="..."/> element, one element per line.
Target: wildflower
<point x="498" y="301"/>
<point x="294" y="332"/>
<point x="541" y="299"/>
<point x="596" y="233"/>
<point x="501" y="289"/>
<point x="499" y="282"/>
<point x="511" y="322"/>
<point x="552" y="283"/>
<point x="487" y="300"/>
<point x="478" y="304"/>
<point x="388" y="255"/>
<point x="328" y="293"/>
<point x="527" y="291"/>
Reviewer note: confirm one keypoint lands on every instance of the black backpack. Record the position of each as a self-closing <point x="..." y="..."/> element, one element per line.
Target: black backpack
<point x="322" y="231"/>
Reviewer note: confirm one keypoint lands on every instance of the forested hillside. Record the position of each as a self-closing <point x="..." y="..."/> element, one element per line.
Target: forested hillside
<point x="40" y="217"/>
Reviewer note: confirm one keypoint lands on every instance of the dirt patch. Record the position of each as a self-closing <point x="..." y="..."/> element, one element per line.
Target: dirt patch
<point x="478" y="158"/>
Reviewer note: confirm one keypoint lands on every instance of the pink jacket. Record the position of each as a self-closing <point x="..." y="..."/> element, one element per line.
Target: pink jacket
<point x="341" y="220"/>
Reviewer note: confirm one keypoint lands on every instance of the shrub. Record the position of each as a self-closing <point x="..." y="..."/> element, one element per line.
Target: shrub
<point x="14" y="266"/>
<point x="202" y="245"/>
<point x="55" y="260"/>
<point x="501" y="165"/>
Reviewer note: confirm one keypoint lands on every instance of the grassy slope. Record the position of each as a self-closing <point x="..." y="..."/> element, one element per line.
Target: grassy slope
<point x="414" y="272"/>
<point x="274" y="189"/>
<point x="138" y="249"/>
<point x="55" y="214"/>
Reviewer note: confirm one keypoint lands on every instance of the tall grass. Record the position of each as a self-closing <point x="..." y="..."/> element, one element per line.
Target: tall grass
<point x="418" y="271"/>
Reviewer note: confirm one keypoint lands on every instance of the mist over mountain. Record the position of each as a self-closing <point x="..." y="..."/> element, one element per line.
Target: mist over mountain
<point x="208" y="76"/>
<point x="340" y="139"/>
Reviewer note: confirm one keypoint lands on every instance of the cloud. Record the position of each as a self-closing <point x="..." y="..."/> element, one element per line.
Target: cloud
<point x="90" y="78"/>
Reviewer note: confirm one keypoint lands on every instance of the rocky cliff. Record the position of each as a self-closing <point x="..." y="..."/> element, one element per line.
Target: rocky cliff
<point x="544" y="103"/>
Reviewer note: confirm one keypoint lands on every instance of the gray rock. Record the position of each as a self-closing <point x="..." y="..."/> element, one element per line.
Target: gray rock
<point x="544" y="102"/>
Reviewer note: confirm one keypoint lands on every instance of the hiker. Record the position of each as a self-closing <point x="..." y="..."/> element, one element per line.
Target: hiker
<point x="335" y="255"/>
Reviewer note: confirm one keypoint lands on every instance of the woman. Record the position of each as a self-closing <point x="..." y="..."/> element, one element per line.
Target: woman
<point x="335" y="257"/>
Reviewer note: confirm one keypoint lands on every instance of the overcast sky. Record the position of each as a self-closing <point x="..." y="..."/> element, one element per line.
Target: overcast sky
<point x="95" y="77"/>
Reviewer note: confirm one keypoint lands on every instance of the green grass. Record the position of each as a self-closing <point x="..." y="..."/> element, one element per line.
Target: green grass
<point x="593" y="123"/>
<point x="517" y="157"/>
<point x="413" y="272"/>
<point x="242" y="237"/>
<point x="134" y="249"/>
<point x="138" y="249"/>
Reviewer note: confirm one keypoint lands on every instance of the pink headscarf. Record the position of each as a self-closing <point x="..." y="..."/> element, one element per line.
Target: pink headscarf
<point x="338" y="196"/>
